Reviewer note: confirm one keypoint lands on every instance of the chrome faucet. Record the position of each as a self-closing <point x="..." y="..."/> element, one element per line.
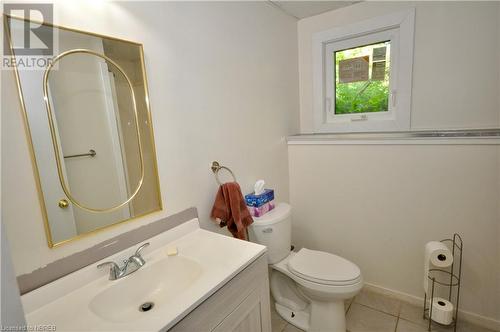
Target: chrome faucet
<point x="130" y="265"/>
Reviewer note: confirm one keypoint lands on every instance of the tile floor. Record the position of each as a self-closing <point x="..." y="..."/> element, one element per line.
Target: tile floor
<point x="373" y="312"/>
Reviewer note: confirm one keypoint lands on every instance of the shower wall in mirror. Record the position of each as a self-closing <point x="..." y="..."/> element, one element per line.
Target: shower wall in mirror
<point x="89" y="127"/>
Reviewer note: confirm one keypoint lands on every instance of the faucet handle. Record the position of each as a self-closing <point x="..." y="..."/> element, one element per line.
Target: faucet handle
<point x="137" y="258"/>
<point x="112" y="265"/>
<point x="138" y="251"/>
<point x="114" y="269"/>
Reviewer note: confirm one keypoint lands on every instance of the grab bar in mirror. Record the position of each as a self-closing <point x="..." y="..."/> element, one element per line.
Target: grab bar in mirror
<point x="91" y="153"/>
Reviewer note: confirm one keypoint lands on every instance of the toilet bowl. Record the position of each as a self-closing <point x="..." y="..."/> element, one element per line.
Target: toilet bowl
<point x="309" y="286"/>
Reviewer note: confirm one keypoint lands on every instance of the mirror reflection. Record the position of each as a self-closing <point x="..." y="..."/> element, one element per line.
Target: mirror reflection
<point x="91" y="134"/>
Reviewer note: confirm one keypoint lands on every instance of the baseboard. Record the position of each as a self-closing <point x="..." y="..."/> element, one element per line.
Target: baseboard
<point x="473" y="318"/>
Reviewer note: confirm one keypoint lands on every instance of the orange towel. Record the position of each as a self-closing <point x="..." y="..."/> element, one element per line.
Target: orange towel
<point x="230" y="208"/>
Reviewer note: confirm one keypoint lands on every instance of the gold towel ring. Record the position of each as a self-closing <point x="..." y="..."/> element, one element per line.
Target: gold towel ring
<point x="216" y="167"/>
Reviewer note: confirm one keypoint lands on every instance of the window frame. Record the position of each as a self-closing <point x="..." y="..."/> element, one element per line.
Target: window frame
<point x="398" y="28"/>
<point x="330" y="72"/>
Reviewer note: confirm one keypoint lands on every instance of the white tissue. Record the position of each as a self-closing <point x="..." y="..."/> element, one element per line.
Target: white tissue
<point x="437" y="254"/>
<point x="258" y="188"/>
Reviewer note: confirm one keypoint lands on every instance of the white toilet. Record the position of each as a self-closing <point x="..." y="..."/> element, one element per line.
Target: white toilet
<point x="309" y="286"/>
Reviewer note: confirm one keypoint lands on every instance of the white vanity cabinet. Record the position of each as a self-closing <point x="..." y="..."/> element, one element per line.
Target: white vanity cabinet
<point x="242" y="304"/>
<point x="214" y="283"/>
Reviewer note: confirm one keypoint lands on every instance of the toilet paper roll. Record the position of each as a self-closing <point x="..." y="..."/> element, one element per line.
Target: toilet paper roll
<point x="442" y="311"/>
<point x="437" y="254"/>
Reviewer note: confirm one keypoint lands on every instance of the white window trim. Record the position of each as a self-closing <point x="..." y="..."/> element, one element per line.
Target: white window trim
<point x="397" y="27"/>
<point x="391" y="35"/>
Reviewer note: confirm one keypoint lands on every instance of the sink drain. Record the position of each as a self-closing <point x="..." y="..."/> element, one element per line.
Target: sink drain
<point x="146" y="306"/>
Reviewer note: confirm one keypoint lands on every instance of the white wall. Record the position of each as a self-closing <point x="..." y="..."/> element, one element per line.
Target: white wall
<point x="223" y="86"/>
<point x="377" y="205"/>
<point x="456" y="61"/>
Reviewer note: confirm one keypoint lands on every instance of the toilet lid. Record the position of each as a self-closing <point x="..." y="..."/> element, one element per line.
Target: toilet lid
<point x="323" y="267"/>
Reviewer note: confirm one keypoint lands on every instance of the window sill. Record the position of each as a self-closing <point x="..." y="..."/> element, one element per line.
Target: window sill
<point x="437" y="137"/>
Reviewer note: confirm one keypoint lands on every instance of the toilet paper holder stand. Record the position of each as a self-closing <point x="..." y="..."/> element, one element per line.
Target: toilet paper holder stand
<point x="448" y="278"/>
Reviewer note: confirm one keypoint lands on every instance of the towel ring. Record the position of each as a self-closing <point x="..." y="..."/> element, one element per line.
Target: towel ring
<point x="216" y="167"/>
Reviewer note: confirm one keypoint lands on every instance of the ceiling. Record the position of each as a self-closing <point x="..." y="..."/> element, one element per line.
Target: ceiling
<point x="303" y="9"/>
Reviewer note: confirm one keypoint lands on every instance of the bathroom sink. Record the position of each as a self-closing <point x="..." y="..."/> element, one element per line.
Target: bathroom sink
<point x="153" y="298"/>
<point x="146" y="290"/>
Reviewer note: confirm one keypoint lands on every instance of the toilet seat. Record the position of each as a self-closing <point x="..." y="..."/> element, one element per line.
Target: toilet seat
<point x="323" y="268"/>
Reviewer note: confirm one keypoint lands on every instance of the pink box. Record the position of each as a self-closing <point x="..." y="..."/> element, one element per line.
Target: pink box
<point x="261" y="210"/>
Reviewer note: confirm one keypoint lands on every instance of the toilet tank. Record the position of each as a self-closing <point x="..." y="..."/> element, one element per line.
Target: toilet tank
<point x="274" y="230"/>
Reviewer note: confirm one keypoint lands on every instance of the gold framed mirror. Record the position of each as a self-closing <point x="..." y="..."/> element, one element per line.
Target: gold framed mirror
<point x="89" y="130"/>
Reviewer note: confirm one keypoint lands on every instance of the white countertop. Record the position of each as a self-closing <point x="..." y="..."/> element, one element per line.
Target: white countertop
<point x="65" y="302"/>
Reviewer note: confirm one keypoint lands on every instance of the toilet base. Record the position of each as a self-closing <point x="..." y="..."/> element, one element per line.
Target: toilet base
<point x="327" y="316"/>
<point x="299" y="319"/>
<point x="324" y="316"/>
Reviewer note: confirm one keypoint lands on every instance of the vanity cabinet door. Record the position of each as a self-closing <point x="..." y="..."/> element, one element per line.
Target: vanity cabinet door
<point x="247" y="317"/>
<point x="242" y="305"/>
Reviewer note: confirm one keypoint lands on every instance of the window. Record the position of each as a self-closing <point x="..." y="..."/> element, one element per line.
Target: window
<point x="362" y="77"/>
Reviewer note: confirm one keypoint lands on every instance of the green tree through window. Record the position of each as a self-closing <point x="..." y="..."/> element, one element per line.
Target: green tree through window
<point x="368" y="95"/>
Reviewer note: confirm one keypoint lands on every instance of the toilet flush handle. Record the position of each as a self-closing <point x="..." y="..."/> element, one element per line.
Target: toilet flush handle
<point x="267" y="230"/>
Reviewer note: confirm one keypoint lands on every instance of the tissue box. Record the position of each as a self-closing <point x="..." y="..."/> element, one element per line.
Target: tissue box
<point x="261" y="210"/>
<point x="259" y="200"/>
